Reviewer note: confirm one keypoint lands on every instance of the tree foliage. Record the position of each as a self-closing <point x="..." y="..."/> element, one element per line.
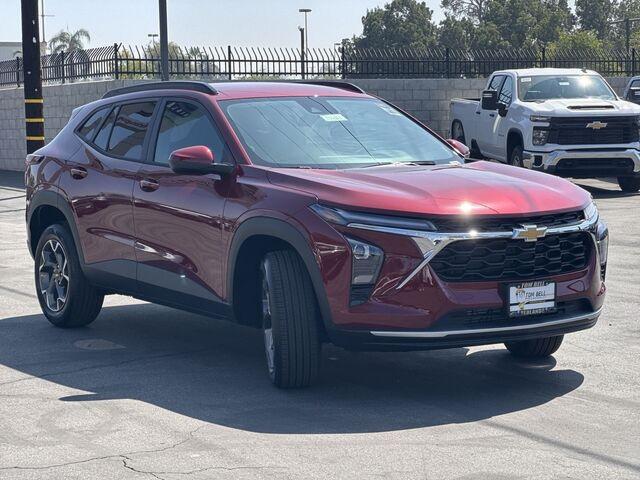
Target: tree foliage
<point x="67" y="41"/>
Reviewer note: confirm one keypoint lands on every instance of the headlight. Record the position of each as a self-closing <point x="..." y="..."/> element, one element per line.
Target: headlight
<point x="339" y="216"/>
<point x="366" y="262"/>
<point x="591" y="212"/>
<point x="539" y="118"/>
<point x="602" y="240"/>
<point x="540" y="136"/>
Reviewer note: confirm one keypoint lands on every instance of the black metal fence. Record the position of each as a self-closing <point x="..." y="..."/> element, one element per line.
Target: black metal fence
<point x="118" y="61"/>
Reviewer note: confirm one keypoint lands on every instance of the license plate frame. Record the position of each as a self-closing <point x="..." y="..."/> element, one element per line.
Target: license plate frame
<point x="535" y="297"/>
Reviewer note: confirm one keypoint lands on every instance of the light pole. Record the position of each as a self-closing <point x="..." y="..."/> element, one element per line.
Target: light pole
<point x="164" y="41"/>
<point x="306" y="11"/>
<point x="153" y="37"/>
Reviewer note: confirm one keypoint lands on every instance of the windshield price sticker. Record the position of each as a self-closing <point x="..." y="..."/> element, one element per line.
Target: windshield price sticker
<point x="334" y="117"/>
<point x="532" y="298"/>
<point x="525" y="80"/>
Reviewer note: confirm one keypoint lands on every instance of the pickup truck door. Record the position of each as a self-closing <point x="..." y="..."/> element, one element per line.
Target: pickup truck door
<point x="498" y="147"/>
<point x="487" y="120"/>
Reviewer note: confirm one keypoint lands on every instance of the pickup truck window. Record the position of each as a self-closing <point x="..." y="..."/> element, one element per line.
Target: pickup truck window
<point x="547" y="87"/>
<point x="496" y="82"/>
<point x="506" y="94"/>
<point x="331" y="133"/>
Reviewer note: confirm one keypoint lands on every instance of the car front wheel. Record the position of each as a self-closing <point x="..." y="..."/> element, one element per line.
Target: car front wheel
<point x="535" y="348"/>
<point x="289" y="321"/>
<point x="66" y="297"/>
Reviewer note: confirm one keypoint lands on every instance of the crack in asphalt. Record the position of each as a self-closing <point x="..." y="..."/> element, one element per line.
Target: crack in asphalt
<point x="105" y="365"/>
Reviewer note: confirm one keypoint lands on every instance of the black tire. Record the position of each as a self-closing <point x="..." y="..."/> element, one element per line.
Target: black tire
<point x="629" y="184"/>
<point x="81" y="302"/>
<point x="457" y="132"/>
<point x="536" y="348"/>
<point x="289" y="311"/>
<point x="515" y="156"/>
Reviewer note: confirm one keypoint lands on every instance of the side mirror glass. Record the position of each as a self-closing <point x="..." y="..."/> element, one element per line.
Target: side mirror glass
<point x="489" y="100"/>
<point x="459" y="147"/>
<point x="197" y="160"/>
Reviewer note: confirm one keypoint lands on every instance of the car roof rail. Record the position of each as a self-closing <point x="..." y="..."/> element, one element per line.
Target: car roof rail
<point x="335" y="84"/>
<point x="194" y="86"/>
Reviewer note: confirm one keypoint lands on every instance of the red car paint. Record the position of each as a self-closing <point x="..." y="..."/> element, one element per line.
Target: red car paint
<point x="145" y="240"/>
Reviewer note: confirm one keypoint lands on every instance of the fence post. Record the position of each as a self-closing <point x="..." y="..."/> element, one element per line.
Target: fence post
<point x="544" y="57"/>
<point x="116" y="62"/>
<point x="229" y="62"/>
<point x="447" y="64"/>
<point x="343" y="62"/>
<point x="62" y="74"/>
<point x="18" y="71"/>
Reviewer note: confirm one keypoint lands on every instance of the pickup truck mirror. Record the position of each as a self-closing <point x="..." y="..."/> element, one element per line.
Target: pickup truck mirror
<point x="489" y="100"/>
<point x="633" y="95"/>
<point x="197" y="160"/>
<point x="502" y="109"/>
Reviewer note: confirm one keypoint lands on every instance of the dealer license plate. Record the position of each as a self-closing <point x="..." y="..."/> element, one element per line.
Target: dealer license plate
<point x="531" y="298"/>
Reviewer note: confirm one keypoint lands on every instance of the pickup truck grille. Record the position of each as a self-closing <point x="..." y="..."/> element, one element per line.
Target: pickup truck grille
<point x="574" y="131"/>
<point x="510" y="259"/>
<point x="501" y="224"/>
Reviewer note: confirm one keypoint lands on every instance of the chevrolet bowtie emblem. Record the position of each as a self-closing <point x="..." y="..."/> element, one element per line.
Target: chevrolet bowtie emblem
<point x="596" y="125"/>
<point x="529" y="233"/>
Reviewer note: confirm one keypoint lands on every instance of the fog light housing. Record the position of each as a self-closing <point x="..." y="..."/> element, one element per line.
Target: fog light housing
<point x="366" y="262"/>
<point x="540" y="136"/>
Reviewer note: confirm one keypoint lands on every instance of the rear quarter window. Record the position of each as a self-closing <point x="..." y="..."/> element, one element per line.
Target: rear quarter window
<point x="91" y="124"/>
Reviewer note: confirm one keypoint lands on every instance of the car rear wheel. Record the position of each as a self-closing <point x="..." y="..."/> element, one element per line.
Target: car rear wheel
<point x="66" y="297"/>
<point x="629" y="184"/>
<point x="535" y="348"/>
<point x="289" y="321"/>
<point x="515" y="156"/>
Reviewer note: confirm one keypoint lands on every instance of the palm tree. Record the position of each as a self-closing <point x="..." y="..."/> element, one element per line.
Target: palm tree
<point x="67" y="41"/>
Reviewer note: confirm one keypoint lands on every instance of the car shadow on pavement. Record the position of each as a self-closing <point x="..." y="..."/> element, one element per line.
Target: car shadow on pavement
<point x="214" y="371"/>
<point x="599" y="192"/>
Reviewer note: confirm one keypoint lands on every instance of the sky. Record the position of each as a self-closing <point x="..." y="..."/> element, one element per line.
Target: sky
<point x="202" y="22"/>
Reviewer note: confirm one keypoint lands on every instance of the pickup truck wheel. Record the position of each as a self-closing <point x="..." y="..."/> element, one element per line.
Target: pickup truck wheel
<point x="289" y="321"/>
<point x="629" y="184"/>
<point x="66" y="297"/>
<point x="515" y="156"/>
<point x="535" y="348"/>
<point x="457" y="132"/>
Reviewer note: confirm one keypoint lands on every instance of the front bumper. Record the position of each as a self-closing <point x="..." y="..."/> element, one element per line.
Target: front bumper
<point x="585" y="163"/>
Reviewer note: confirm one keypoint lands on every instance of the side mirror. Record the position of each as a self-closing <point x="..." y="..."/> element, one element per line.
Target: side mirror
<point x="489" y="100"/>
<point x="197" y="160"/>
<point x="502" y="109"/>
<point x="459" y="147"/>
<point x="633" y="95"/>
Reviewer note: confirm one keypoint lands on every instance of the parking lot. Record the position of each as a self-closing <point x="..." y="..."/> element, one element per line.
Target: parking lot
<point x="151" y="392"/>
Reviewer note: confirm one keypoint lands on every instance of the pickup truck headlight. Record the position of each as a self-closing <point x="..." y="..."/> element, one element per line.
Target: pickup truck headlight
<point x="540" y="136"/>
<point x="539" y="118"/>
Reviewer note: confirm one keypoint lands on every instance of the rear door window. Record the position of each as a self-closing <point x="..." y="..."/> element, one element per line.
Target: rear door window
<point x="130" y="130"/>
<point x="91" y="125"/>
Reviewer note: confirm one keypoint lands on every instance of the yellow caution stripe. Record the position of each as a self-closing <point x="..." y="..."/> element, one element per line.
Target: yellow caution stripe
<point x="34" y="120"/>
<point x="35" y="139"/>
<point x="33" y="100"/>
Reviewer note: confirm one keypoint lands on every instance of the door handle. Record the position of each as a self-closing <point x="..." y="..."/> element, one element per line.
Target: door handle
<point x="478" y="112"/>
<point x="78" y="173"/>
<point x="149" y="185"/>
<point x="492" y="115"/>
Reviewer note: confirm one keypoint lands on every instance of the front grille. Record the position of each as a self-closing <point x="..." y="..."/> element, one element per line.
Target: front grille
<point x="512" y="259"/>
<point x="574" y="131"/>
<point x="497" y="224"/>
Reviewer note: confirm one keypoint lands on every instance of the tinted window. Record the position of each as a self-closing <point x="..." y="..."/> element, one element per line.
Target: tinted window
<point x="496" y="82"/>
<point x="92" y="124"/>
<point x="506" y="94"/>
<point x="327" y="132"/>
<point x="130" y="129"/>
<point x="185" y="124"/>
<point x="103" y="135"/>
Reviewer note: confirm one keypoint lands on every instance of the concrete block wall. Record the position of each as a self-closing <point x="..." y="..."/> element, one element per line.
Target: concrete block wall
<point x="427" y="99"/>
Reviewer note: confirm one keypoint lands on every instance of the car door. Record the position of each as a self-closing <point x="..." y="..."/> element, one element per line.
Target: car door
<point x="178" y="217"/>
<point x="99" y="180"/>
<point x="498" y="147"/>
<point x="487" y="120"/>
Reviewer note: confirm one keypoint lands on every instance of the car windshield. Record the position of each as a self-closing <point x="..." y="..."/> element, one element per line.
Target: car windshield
<point x="331" y="132"/>
<point x="547" y="87"/>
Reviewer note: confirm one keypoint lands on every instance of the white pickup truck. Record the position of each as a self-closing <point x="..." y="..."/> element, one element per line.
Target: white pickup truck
<point x="568" y="122"/>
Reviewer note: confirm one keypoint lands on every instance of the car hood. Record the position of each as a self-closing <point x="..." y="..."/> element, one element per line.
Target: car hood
<point x="580" y="106"/>
<point x="480" y="188"/>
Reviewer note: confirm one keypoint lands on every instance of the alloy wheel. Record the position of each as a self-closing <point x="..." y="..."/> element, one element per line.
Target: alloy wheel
<point x="267" y="327"/>
<point x="53" y="275"/>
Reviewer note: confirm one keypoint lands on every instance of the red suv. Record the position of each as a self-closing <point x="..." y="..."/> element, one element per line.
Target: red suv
<point x="313" y="211"/>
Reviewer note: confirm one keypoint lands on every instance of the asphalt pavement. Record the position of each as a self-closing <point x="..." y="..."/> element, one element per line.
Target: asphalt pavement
<point x="151" y="392"/>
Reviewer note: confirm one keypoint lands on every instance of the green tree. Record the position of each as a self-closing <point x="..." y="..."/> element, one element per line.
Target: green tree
<point x="577" y="40"/>
<point x="472" y="10"/>
<point x="400" y="23"/>
<point x="68" y="41"/>
<point x="596" y="15"/>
